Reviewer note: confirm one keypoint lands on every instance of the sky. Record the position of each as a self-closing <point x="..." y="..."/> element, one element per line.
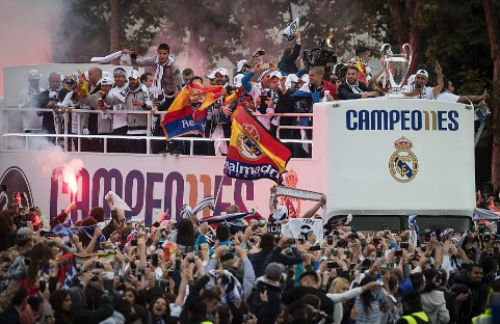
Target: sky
<point x="25" y="32"/>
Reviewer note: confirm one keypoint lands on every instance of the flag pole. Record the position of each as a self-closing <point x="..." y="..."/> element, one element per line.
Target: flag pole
<point x="218" y="190"/>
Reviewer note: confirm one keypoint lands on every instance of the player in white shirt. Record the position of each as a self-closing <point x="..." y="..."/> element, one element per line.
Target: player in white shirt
<point x="420" y="90"/>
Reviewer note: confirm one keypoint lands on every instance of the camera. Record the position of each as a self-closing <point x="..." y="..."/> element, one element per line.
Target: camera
<point x="319" y="57"/>
<point x="261" y="52"/>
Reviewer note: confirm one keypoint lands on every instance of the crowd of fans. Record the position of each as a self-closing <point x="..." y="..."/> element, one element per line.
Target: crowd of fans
<point x="107" y="269"/>
<point x="110" y="270"/>
<point x="292" y="85"/>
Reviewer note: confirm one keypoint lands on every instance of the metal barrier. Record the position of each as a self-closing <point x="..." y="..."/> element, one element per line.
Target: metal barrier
<point x="6" y="134"/>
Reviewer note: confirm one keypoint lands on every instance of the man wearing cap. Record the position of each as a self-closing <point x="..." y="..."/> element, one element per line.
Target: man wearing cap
<point x="222" y="77"/>
<point x="242" y="67"/>
<point x="265" y="299"/>
<point x="116" y="99"/>
<point x="420" y="90"/>
<point x="137" y="99"/>
<point x="96" y="101"/>
<point x="28" y="98"/>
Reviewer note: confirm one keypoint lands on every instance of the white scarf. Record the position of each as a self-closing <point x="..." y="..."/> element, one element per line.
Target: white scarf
<point x="355" y="87"/>
<point x="124" y="58"/>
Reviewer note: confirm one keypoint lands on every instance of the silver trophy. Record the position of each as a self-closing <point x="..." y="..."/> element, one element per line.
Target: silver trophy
<point x="396" y="67"/>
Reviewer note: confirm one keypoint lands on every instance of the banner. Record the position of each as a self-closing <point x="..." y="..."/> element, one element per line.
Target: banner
<point x="253" y="152"/>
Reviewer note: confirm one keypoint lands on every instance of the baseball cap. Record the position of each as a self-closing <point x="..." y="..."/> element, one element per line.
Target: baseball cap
<point x="222" y="71"/>
<point x="276" y="74"/>
<point x="134" y="74"/>
<point x="240" y="65"/>
<point x="305" y="78"/>
<point x="120" y="71"/>
<point x="274" y="270"/>
<point x="34" y="75"/>
<point x="237" y="80"/>
<point x="107" y="81"/>
<point x="422" y="72"/>
<point x="211" y="75"/>
<point x="24" y="234"/>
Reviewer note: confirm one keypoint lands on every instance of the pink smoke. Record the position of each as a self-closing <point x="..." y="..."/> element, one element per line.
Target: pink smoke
<point x="27" y="27"/>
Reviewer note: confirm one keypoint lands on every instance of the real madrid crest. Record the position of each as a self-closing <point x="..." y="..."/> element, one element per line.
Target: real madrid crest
<point x="247" y="142"/>
<point x="403" y="163"/>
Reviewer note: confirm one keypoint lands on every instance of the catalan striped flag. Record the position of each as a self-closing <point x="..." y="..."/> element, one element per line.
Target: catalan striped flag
<point x="253" y="152"/>
<point x="181" y="118"/>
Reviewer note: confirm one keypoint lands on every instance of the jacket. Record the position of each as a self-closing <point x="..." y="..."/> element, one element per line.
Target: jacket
<point x="287" y="62"/>
<point x="265" y="312"/>
<point x="137" y="123"/>
<point x="258" y="259"/>
<point x="116" y="98"/>
<point x="171" y="80"/>
<point x="475" y="304"/>
<point x="338" y="299"/>
<point x="81" y="314"/>
<point x="434" y="305"/>
<point x="28" y="98"/>
<point x="345" y="91"/>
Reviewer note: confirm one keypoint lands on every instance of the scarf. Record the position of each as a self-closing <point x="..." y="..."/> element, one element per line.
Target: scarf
<point x="355" y="87"/>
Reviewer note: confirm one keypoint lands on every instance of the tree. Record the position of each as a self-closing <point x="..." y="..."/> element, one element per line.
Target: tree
<point x="492" y="24"/>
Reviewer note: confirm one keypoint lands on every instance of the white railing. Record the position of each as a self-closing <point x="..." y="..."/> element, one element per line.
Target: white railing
<point x="6" y="133"/>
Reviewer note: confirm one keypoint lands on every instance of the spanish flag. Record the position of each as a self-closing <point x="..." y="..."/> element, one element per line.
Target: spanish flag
<point x="362" y="71"/>
<point x="181" y="118"/>
<point x="253" y="152"/>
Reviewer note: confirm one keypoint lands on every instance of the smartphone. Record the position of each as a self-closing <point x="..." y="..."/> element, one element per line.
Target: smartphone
<point x="315" y="248"/>
<point x="329" y="240"/>
<point x="404" y="245"/>
<point x="398" y="253"/>
<point x="332" y="265"/>
<point x="261" y="52"/>
<point x="154" y="260"/>
<point x="133" y="242"/>
<point x="378" y="253"/>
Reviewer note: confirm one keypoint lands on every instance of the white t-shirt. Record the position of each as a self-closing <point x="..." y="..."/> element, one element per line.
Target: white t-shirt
<point x="425" y="94"/>
<point x="448" y="97"/>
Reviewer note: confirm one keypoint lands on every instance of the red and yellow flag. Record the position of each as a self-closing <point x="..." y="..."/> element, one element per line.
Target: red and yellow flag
<point x="253" y="152"/>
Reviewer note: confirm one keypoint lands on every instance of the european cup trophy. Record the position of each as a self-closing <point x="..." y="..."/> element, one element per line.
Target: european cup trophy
<point x="396" y="67"/>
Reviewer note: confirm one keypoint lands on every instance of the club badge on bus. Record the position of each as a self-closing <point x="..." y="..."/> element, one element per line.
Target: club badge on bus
<point x="403" y="163"/>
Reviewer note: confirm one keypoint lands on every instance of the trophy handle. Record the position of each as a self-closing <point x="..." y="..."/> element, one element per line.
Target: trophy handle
<point x="408" y="50"/>
<point x="386" y="50"/>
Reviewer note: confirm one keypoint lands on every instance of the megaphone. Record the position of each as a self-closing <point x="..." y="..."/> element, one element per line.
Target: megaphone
<point x="290" y="30"/>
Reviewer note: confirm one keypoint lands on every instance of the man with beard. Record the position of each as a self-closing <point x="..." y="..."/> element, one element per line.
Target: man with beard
<point x="420" y="90"/>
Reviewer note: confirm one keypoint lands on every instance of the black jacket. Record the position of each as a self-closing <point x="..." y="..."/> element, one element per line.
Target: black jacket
<point x="47" y="117"/>
<point x="258" y="259"/>
<point x="287" y="62"/>
<point x="475" y="304"/>
<point x="345" y="91"/>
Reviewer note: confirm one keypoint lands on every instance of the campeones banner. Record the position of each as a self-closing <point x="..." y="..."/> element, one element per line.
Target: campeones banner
<point x="253" y="152"/>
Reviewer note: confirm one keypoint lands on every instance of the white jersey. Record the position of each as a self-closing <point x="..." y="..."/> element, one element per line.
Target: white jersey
<point x="116" y="99"/>
<point x="303" y="227"/>
<point x="426" y="92"/>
